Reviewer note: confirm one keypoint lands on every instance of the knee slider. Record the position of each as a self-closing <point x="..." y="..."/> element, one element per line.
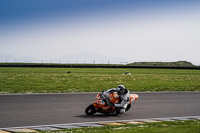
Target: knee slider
<point x="122" y="111"/>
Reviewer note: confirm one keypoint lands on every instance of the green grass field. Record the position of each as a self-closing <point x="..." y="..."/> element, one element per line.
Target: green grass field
<point x="57" y="80"/>
<point x="190" y="126"/>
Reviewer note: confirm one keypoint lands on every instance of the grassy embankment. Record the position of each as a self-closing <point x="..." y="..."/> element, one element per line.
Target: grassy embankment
<point x="190" y="126"/>
<point x="57" y="80"/>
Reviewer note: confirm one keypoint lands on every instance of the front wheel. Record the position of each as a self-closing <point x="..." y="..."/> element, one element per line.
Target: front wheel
<point x="90" y="110"/>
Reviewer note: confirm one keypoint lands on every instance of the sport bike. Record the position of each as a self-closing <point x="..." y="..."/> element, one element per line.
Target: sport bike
<point x="100" y="106"/>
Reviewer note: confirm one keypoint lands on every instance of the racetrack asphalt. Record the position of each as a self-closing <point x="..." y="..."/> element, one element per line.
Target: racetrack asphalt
<point x="45" y="109"/>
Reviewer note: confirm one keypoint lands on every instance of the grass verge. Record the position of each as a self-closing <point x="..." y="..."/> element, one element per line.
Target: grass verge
<point x="189" y="126"/>
<point x="58" y="80"/>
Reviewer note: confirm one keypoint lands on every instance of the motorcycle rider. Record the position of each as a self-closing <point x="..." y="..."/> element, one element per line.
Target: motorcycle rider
<point x="124" y="97"/>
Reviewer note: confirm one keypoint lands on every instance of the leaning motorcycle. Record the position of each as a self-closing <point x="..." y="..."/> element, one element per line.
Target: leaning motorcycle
<point x="100" y="106"/>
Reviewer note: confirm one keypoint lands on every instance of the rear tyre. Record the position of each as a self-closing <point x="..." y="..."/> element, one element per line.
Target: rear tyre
<point x="128" y="107"/>
<point x="90" y="110"/>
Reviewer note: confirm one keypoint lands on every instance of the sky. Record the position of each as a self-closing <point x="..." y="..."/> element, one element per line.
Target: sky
<point x="135" y="30"/>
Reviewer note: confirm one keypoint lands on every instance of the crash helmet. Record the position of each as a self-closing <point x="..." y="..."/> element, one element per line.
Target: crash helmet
<point x="121" y="89"/>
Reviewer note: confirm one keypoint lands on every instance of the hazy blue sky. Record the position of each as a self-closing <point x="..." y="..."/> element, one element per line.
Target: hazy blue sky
<point x="141" y="30"/>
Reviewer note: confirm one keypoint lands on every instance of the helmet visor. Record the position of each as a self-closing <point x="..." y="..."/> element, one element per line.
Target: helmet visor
<point x="122" y="91"/>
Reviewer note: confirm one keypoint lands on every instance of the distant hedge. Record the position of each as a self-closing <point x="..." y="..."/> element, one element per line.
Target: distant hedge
<point x="90" y="66"/>
<point x="165" y="64"/>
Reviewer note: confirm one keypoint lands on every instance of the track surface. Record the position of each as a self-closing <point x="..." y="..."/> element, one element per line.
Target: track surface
<point x="46" y="109"/>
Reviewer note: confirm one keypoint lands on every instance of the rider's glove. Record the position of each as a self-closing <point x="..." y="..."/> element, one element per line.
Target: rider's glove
<point x="102" y="97"/>
<point x="111" y="104"/>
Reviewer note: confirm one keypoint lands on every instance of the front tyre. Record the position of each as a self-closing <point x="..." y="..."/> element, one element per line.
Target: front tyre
<point x="90" y="110"/>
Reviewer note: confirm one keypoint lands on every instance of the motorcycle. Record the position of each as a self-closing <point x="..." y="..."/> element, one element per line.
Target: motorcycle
<point x="100" y="106"/>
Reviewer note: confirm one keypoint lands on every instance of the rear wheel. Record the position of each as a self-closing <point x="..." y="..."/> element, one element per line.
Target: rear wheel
<point x="90" y="110"/>
<point x="128" y="107"/>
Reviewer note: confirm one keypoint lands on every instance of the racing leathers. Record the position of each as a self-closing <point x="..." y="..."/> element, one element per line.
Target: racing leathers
<point x="124" y="99"/>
